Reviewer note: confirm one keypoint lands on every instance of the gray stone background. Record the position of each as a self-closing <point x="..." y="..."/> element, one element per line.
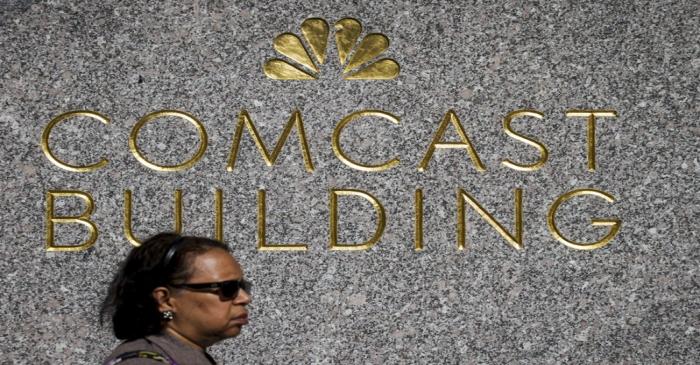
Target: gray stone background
<point x="634" y="301"/>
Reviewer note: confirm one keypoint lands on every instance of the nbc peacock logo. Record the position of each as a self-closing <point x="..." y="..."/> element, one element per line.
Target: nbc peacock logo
<point x="357" y="58"/>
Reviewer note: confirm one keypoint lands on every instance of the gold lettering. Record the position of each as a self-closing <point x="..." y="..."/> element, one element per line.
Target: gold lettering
<point x="335" y="142"/>
<point x="51" y="219"/>
<point x="540" y="147"/>
<point x="381" y="221"/>
<point x="515" y="241"/>
<point x="128" y="232"/>
<point x="614" y="223"/>
<point x="270" y="158"/>
<point x="262" y="240"/>
<point x="47" y="133"/>
<point x="418" y="235"/>
<point x="218" y="215"/>
<point x="591" y="115"/>
<point x="168" y="113"/>
<point x="451" y="118"/>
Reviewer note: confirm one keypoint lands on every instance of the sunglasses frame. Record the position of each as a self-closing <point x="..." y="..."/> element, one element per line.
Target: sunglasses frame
<point x="217" y="287"/>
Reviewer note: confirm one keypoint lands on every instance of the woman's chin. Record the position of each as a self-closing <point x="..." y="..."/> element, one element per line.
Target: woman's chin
<point x="234" y="330"/>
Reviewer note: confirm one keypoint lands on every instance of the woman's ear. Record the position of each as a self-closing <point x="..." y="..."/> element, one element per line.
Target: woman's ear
<point x="162" y="296"/>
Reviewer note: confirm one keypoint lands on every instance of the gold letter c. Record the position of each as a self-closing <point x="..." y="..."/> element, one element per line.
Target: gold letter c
<point x="344" y="158"/>
<point x="47" y="133"/>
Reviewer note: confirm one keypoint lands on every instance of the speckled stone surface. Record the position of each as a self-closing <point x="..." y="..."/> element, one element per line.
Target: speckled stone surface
<point x="633" y="301"/>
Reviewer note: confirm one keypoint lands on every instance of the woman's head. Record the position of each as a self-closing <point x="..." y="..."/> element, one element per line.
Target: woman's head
<point x="187" y="285"/>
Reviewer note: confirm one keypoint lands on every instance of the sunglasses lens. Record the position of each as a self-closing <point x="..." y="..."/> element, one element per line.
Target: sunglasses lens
<point x="229" y="289"/>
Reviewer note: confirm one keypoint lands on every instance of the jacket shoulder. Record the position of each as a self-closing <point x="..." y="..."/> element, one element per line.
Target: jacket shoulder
<point x="131" y="349"/>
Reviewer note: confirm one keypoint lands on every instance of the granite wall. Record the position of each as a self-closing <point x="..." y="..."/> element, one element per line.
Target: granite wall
<point x="634" y="300"/>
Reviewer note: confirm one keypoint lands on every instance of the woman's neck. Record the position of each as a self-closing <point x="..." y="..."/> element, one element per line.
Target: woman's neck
<point x="182" y="338"/>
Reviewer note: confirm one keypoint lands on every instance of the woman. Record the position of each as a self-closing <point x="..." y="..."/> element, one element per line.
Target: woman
<point x="172" y="298"/>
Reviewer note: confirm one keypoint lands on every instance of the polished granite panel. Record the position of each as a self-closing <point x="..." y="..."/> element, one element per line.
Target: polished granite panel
<point x="633" y="301"/>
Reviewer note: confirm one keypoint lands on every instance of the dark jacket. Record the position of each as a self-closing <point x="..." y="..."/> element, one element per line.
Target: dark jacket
<point x="171" y="350"/>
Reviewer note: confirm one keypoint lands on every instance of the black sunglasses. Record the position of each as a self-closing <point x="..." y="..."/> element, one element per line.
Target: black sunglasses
<point x="227" y="290"/>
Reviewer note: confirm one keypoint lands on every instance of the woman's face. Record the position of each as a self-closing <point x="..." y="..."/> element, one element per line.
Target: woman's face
<point x="204" y="317"/>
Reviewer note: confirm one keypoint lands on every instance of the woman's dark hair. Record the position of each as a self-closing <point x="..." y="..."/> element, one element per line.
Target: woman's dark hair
<point x="162" y="259"/>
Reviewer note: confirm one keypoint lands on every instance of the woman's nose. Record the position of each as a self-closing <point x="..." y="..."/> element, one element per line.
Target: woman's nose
<point x="243" y="297"/>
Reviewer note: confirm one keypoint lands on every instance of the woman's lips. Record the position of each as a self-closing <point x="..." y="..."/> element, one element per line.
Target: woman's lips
<point x="242" y="319"/>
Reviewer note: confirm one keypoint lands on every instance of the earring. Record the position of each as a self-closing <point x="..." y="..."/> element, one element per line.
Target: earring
<point x="167" y="315"/>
